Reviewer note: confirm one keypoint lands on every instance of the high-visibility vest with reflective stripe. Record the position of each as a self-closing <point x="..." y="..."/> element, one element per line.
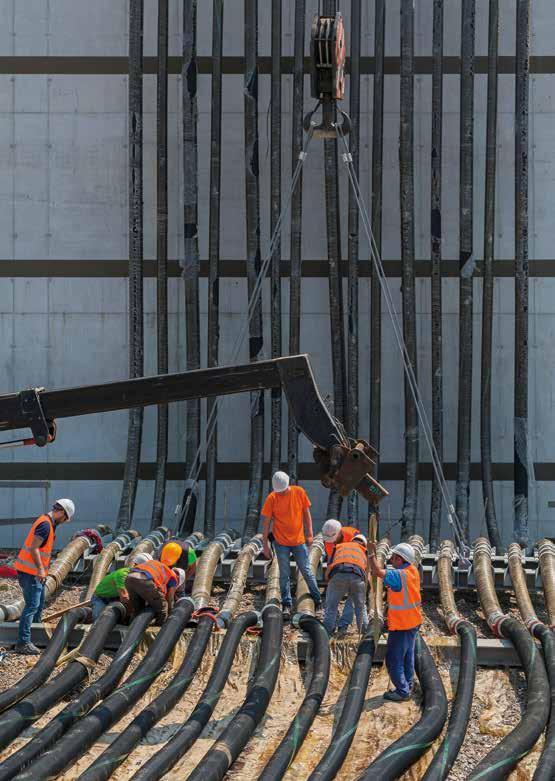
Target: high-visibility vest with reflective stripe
<point x="347" y="534"/>
<point x="24" y="561"/>
<point x="160" y="574"/>
<point x="404" y="606"/>
<point x="349" y="553"/>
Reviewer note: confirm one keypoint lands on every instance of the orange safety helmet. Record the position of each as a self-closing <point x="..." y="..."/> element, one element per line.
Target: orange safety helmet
<point x="170" y="553"/>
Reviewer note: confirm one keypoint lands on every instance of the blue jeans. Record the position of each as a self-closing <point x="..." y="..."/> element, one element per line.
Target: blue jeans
<point x="97" y="606"/>
<point x="345" y="584"/>
<point x="300" y="554"/>
<point x="347" y="615"/>
<point x="33" y="594"/>
<point x="399" y="658"/>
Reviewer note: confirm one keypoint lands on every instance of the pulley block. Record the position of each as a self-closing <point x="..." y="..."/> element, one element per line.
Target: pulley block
<point x="328" y="51"/>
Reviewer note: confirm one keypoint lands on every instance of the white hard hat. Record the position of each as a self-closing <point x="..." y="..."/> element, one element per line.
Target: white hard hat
<point x="180" y="576"/>
<point x="405" y="551"/>
<point x="360" y="538"/>
<point x="331" y="530"/>
<point x="280" y="482"/>
<point x="68" y="506"/>
<point x="140" y="558"/>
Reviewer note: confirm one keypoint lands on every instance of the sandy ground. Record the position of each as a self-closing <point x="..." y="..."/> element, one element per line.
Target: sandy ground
<point x="497" y="705"/>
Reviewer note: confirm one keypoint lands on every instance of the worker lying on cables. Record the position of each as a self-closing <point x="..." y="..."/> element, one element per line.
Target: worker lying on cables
<point x="112" y="587"/>
<point x="404" y="616"/>
<point x="154" y="584"/>
<point x="334" y="533"/>
<point x="178" y="553"/>
<point x="346" y="576"/>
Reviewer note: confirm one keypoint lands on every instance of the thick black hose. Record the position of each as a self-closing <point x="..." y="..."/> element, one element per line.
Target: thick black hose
<point x="118" y="751"/>
<point x="506" y="754"/>
<point x="297" y="732"/>
<point x="460" y="713"/>
<point x="545" y="770"/>
<point x="136" y="308"/>
<point x="467" y="262"/>
<point x="18" y="718"/>
<point x="436" y="256"/>
<point x="213" y="336"/>
<point x="164" y="759"/>
<point x="377" y="204"/>
<point x="162" y="258"/>
<point x="401" y="754"/>
<point x="45" y="664"/>
<point x="406" y="189"/>
<point x="342" y="738"/>
<point x="191" y="261"/>
<point x="83" y="735"/>
<point x="295" y="252"/>
<point x="254" y="262"/>
<point x="275" y="210"/>
<point x="217" y="761"/>
<point x="62" y="721"/>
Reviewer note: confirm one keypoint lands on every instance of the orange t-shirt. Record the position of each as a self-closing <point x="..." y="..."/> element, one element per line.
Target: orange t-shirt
<point x="286" y="511"/>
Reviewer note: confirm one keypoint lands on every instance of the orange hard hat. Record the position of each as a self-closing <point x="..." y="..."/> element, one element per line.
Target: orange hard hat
<point x="170" y="553"/>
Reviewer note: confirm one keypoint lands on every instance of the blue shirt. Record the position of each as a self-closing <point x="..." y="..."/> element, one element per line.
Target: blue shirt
<point x="393" y="579"/>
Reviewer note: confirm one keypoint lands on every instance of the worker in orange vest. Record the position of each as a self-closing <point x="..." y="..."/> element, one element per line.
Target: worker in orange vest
<point x="334" y="533"/>
<point x="346" y="576"/>
<point x="32" y="563"/>
<point x="404" y="616"/>
<point x="154" y="584"/>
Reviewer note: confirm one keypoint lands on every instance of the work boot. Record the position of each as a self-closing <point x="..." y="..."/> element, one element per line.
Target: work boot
<point x="394" y="696"/>
<point x="286" y="612"/>
<point x="341" y="633"/>
<point x="27" y="649"/>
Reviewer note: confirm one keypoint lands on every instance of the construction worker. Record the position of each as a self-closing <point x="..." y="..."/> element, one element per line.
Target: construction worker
<point x="112" y="587"/>
<point x="32" y="563"/>
<point x="334" y="533"/>
<point x="154" y="584"/>
<point x="404" y="616"/>
<point x="287" y="523"/>
<point x="346" y="576"/>
<point x="178" y="553"/>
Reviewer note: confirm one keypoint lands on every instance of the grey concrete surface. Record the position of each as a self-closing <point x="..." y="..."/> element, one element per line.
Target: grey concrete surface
<point x="63" y="195"/>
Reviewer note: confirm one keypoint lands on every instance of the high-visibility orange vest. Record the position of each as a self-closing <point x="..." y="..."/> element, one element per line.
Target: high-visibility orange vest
<point x="24" y="561"/>
<point x="404" y="606"/>
<point x="346" y="535"/>
<point x="349" y="553"/>
<point x="160" y="573"/>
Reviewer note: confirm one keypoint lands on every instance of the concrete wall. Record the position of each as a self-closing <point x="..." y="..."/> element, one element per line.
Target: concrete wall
<point x="63" y="197"/>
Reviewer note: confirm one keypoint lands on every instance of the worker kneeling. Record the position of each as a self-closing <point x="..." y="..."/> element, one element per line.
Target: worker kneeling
<point x="346" y="574"/>
<point x="112" y="587"/>
<point x="154" y="584"/>
<point x="404" y="616"/>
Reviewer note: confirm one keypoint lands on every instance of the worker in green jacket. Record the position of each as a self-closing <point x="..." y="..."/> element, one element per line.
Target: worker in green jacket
<point x="112" y="587"/>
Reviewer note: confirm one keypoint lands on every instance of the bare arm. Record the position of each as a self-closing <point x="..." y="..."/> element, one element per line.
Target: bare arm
<point x="375" y="568"/>
<point x="266" y="524"/>
<point x="307" y="523"/>
<point x="35" y="555"/>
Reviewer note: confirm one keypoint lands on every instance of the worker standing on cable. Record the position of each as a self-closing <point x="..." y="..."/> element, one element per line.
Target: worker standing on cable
<point x="32" y="563"/>
<point x="154" y="584"/>
<point x="287" y="523"/>
<point x="334" y="533"/>
<point x="179" y="553"/>
<point x="346" y="576"/>
<point x="404" y="616"/>
<point x="112" y="587"/>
